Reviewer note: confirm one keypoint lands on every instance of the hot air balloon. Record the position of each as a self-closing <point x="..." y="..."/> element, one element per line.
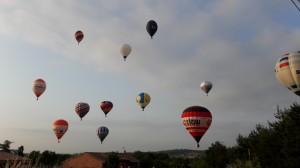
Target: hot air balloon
<point x="79" y="36"/>
<point x="102" y="132"/>
<point x="196" y="120"/>
<point x="39" y="86"/>
<point x="125" y="50"/>
<point x="206" y="86"/>
<point x="60" y="127"/>
<point x="106" y="106"/>
<point x="82" y="109"/>
<point x="151" y="27"/>
<point x="287" y="71"/>
<point x="143" y="99"/>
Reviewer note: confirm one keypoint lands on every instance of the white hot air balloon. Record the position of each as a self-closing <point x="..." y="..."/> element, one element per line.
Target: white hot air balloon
<point x="125" y="50"/>
<point x="287" y="71"/>
<point x="206" y="86"/>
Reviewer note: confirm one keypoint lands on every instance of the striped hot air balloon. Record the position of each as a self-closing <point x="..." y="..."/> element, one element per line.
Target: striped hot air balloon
<point x="287" y="71"/>
<point x="82" y="109"/>
<point x="38" y="87"/>
<point x="102" y="132"/>
<point x="106" y="106"/>
<point x="196" y="120"/>
<point x="60" y="127"/>
<point x="79" y="36"/>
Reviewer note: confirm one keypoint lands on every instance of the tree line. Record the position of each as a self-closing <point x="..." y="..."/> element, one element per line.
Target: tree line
<point x="276" y="145"/>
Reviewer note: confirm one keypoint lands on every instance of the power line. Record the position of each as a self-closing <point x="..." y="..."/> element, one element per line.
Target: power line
<point x="296" y="4"/>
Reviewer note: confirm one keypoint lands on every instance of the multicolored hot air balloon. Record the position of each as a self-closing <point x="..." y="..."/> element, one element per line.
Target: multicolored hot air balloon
<point x="79" y="36"/>
<point x="125" y="50"/>
<point x="151" y="28"/>
<point x="39" y="86"/>
<point x="102" y="132"/>
<point x="82" y="109"/>
<point x="206" y="86"/>
<point x="60" y="127"/>
<point x="143" y="99"/>
<point x="196" y="120"/>
<point x="287" y="71"/>
<point x="106" y="106"/>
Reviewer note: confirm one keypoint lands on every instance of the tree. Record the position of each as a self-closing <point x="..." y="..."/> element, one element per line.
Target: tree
<point x="287" y="134"/>
<point x="216" y="155"/>
<point x="20" y="151"/>
<point x="113" y="160"/>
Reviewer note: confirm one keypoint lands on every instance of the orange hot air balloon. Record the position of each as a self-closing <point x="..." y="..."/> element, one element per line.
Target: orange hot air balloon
<point x="60" y="127"/>
<point x="79" y="36"/>
<point x="196" y="120"/>
<point x="106" y="106"/>
<point x="39" y="86"/>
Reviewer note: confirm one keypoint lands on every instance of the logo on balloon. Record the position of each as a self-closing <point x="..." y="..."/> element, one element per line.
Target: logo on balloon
<point x="191" y="122"/>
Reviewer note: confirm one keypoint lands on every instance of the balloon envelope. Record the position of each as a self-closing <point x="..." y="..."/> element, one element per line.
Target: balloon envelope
<point x="39" y="86"/>
<point x="82" y="109"/>
<point x="287" y="71"/>
<point x="79" y="36"/>
<point x="196" y="120"/>
<point x="125" y="50"/>
<point x="151" y="27"/>
<point x="102" y="132"/>
<point x="106" y="106"/>
<point x="143" y="99"/>
<point x="206" y="86"/>
<point x="60" y="127"/>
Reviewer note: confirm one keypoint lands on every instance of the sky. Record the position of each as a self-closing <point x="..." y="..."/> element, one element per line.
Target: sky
<point x="232" y="43"/>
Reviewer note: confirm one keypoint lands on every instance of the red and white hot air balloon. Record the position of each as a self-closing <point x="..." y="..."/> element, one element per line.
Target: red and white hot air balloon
<point x="60" y="127"/>
<point x="38" y="87"/>
<point x="196" y="120"/>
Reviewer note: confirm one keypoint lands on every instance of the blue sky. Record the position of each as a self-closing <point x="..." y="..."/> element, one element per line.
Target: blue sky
<point x="232" y="43"/>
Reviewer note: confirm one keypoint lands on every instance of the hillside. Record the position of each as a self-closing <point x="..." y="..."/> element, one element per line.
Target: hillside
<point x="184" y="153"/>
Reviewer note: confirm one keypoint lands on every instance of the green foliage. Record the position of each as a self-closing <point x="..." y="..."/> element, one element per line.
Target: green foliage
<point x="216" y="155"/>
<point x="47" y="158"/>
<point x="113" y="160"/>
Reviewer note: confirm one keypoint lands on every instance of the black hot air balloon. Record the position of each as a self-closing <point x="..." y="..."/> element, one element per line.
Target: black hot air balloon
<point x="151" y="27"/>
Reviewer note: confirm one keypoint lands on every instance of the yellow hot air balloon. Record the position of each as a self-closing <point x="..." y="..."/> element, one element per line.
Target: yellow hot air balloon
<point x="143" y="99"/>
<point x="287" y="71"/>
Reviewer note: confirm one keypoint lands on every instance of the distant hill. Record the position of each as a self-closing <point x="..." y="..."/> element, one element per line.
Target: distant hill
<point x="184" y="153"/>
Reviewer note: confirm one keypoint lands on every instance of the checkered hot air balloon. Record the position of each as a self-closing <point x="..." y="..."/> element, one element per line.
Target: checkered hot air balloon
<point x="196" y="120"/>
<point x="60" y="127"/>
<point x="39" y="87"/>
<point x="287" y="71"/>
<point x="106" y="106"/>
<point x="82" y="109"/>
